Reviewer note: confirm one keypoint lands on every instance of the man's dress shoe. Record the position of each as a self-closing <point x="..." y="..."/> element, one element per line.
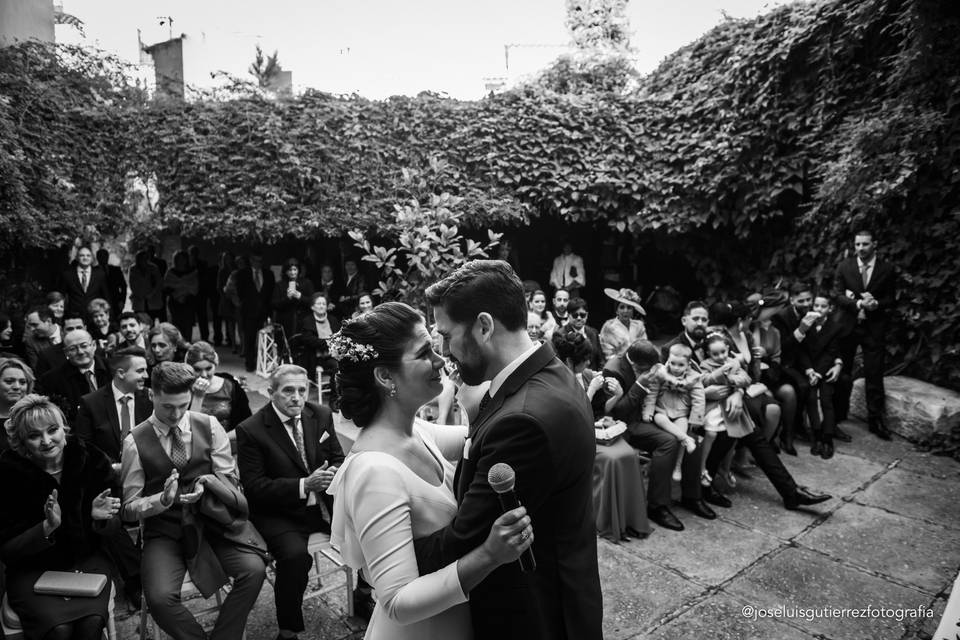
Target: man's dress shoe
<point x="788" y="448"/>
<point x="816" y="448"/>
<point x="698" y="508"/>
<point x="665" y="518"/>
<point x="841" y="435"/>
<point x="879" y="429"/>
<point x="803" y="497"/>
<point x="716" y="498"/>
<point x="826" y="450"/>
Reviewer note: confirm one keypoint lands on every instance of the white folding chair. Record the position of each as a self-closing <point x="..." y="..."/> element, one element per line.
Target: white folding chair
<point x="318" y="545"/>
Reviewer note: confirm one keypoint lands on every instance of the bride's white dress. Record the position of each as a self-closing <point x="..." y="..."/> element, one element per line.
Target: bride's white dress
<point x="380" y="507"/>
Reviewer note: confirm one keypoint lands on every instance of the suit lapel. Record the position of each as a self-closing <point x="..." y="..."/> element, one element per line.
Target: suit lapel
<point x="279" y="434"/>
<point x="106" y="396"/>
<point x="538" y="360"/>
<point x="311" y="435"/>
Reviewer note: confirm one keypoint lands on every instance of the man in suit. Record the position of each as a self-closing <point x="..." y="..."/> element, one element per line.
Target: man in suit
<point x="866" y="286"/>
<point x="535" y="419"/>
<point x="40" y="332"/>
<point x="288" y="453"/>
<point x="255" y="289"/>
<point x="329" y="286"/>
<point x="353" y="287"/>
<point x="819" y="358"/>
<point x="116" y="283"/>
<point x="82" y="283"/>
<point x="167" y="460"/>
<point x="52" y="356"/>
<point x="793" y="323"/>
<point x="131" y="333"/>
<point x="105" y="418"/>
<point x="83" y="373"/>
<point x="633" y="373"/>
<point x="578" y="313"/>
<point x="568" y="272"/>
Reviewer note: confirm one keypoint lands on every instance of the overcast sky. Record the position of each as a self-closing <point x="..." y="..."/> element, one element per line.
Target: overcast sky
<point x="380" y="48"/>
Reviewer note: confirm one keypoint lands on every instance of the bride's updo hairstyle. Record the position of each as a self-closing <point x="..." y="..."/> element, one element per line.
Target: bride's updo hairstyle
<point x="373" y="339"/>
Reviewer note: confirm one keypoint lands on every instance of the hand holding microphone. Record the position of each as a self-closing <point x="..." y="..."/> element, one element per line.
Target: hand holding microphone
<point x="511" y="535"/>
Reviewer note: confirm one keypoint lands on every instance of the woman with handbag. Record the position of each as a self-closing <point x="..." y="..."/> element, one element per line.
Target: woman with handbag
<point x="55" y="504"/>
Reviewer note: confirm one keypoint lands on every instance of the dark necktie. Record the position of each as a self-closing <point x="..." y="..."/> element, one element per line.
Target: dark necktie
<point x="125" y="417"/>
<point x="178" y="450"/>
<point x="865" y="275"/>
<point x="297" y="431"/>
<point x="83" y="280"/>
<point x="257" y="279"/>
<point x="484" y="401"/>
<point x="91" y="380"/>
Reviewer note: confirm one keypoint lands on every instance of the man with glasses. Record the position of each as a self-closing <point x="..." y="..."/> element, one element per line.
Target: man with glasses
<point x="578" y="314"/>
<point x="82" y="373"/>
<point x="52" y="357"/>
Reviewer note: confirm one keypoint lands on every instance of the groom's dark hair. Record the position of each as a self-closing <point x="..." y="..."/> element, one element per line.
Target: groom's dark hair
<point x="482" y="285"/>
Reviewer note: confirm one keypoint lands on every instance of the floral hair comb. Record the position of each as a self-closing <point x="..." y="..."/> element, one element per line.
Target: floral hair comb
<point x="346" y="348"/>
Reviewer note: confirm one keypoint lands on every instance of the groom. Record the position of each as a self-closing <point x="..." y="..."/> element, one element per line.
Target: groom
<point x="537" y="420"/>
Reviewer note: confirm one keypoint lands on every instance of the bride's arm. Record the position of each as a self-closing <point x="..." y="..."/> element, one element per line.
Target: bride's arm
<point x="448" y="437"/>
<point x="382" y="517"/>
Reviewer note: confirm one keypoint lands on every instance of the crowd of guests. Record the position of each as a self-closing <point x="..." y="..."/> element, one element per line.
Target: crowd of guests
<point x="99" y="452"/>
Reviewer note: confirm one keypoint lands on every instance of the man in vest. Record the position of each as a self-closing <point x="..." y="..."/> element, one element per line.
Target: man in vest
<point x="166" y="461"/>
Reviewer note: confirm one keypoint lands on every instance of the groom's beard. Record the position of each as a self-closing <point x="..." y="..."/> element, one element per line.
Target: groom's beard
<point x="473" y="369"/>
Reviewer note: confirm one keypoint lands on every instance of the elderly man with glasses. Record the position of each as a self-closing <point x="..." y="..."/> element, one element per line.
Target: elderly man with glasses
<point x="578" y="314"/>
<point x="82" y="373"/>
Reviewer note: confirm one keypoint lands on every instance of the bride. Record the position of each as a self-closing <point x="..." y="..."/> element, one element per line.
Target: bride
<point x="397" y="483"/>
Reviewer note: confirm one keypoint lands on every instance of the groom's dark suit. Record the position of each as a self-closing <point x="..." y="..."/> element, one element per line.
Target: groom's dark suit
<point x="538" y="422"/>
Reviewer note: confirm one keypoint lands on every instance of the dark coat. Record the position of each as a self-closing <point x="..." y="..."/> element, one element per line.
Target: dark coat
<point x="24" y="488"/>
<point x="117" y="285"/>
<point x="98" y="420"/>
<point x="593" y="337"/>
<point x="882" y="285"/>
<point x="50" y="358"/>
<point x="628" y="407"/>
<point x="820" y="349"/>
<point x="77" y="299"/>
<point x="271" y="467"/>
<point x="287" y="310"/>
<point x="254" y="305"/>
<point x="66" y="385"/>
<point x="541" y="424"/>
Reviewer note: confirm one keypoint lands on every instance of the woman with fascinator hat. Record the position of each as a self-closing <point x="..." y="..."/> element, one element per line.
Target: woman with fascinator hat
<point x="396" y="484"/>
<point x="625" y="327"/>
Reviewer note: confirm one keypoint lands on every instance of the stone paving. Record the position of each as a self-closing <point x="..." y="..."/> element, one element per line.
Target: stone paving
<point x="890" y="538"/>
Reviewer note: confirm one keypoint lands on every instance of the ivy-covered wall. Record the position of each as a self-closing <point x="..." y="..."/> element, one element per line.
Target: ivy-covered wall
<point x="753" y="152"/>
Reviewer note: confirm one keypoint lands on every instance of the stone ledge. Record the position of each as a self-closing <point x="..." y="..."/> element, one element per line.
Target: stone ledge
<point x="916" y="410"/>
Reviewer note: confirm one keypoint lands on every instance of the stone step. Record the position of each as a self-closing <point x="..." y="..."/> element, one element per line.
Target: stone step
<point x="916" y="410"/>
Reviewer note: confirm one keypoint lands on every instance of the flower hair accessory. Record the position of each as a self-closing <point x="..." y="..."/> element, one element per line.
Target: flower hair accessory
<point x="345" y="348"/>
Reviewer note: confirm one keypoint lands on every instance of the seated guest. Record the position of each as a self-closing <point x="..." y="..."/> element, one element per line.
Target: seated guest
<point x="52" y="357"/>
<point x="315" y="329"/>
<point x="577" y="316"/>
<point x="288" y="453"/>
<point x="766" y="337"/>
<point x="167" y="462"/>
<point x="291" y="297"/>
<point x="329" y="287"/>
<point x="819" y="358"/>
<point x="538" y="305"/>
<point x="634" y="373"/>
<point x="675" y="402"/>
<point x="364" y="304"/>
<point x="216" y="394"/>
<point x="55" y="504"/>
<point x="624" y="329"/>
<point x="618" y="495"/>
<point x="559" y="314"/>
<point x="16" y="381"/>
<point x="84" y="372"/>
<point x="166" y="344"/>
<point x="40" y="332"/>
<point x="132" y="328"/>
<point x="104" y="420"/>
<point x="57" y="303"/>
<point x="101" y="328"/>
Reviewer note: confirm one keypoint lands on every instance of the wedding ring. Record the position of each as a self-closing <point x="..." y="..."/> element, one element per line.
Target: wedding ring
<point x="523" y="535"/>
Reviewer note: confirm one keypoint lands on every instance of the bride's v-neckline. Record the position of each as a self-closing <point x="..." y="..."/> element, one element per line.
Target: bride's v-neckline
<point x="442" y="471"/>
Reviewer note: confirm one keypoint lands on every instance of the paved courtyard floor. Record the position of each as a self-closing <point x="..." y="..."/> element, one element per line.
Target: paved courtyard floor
<point x="890" y="539"/>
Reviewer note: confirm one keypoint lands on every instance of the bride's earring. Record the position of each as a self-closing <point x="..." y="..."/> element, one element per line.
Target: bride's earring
<point x="393" y="391"/>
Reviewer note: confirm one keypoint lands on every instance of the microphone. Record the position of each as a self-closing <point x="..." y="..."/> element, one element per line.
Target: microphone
<point x="501" y="479"/>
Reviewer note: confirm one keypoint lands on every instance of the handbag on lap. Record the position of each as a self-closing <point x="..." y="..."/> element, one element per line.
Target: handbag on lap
<point x="70" y="584"/>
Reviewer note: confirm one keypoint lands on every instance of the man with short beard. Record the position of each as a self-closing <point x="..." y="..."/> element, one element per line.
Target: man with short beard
<point x="82" y="373"/>
<point x="561" y="299"/>
<point x="40" y="332"/>
<point x="131" y="331"/>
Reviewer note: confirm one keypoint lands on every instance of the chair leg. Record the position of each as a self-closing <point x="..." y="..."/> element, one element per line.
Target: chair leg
<point x="316" y="565"/>
<point x="349" y="584"/>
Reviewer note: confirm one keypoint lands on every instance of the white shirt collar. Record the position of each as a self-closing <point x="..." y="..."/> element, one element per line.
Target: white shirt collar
<point x="117" y="394"/>
<point x="163" y="430"/>
<point x="501" y="377"/>
<point x="284" y="418"/>
<point x="56" y="337"/>
<point x="869" y="265"/>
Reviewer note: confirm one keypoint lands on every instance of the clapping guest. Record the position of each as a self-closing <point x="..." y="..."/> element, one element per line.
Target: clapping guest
<point x="101" y="328"/>
<point x="182" y="285"/>
<point x="291" y="297"/>
<point x="621" y="331"/>
<point x="216" y="394"/>
<point x="55" y="503"/>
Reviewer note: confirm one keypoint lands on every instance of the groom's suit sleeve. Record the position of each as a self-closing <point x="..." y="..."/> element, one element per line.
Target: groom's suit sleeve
<point x="518" y="440"/>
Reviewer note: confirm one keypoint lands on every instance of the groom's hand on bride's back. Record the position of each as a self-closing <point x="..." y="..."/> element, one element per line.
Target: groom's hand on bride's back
<point x="510" y="535"/>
